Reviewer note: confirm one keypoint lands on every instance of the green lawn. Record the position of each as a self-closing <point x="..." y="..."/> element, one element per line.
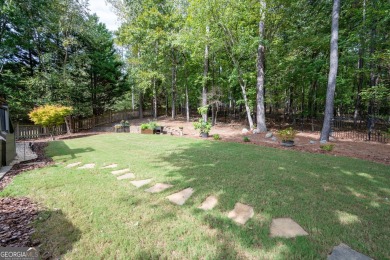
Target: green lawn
<point x="91" y="215"/>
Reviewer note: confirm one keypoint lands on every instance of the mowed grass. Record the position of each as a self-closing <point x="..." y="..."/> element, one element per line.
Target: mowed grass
<point x="89" y="214"/>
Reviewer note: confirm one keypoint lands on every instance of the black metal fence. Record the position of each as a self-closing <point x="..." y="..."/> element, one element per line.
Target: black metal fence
<point x="371" y="129"/>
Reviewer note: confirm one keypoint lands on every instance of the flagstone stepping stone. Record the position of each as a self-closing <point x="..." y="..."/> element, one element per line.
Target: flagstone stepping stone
<point x="120" y="171"/>
<point x="159" y="187"/>
<point x="72" y="165"/>
<point x="126" y="176"/>
<point x="286" y="227"/>
<point x="114" y="165"/>
<point x="140" y="183"/>
<point x="209" y="203"/>
<point x="87" y="166"/>
<point x="344" y="252"/>
<point x="179" y="198"/>
<point x="241" y="213"/>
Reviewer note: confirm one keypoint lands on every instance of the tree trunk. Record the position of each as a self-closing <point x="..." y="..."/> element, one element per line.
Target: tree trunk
<point x="141" y="101"/>
<point x="187" y="104"/>
<point x="132" y="98"/>
<point x="260" y="115"/>
<point x="68" y="120"/>
<point x="154" y="98"/>
<point x="174" y="72"/>
<point x="205" y="75"/>
<point x="248" y="110"/>
<point x="166" y="103"/>
<point x="326" y="127"/>
<point x="360" y="67"/>
<point x="372" y="65"/>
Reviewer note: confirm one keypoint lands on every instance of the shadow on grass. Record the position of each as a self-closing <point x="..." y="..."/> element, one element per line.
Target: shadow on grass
<point x="55" y="234"/>
<point x="334" y="199"/>
<point x="59" y="148"/>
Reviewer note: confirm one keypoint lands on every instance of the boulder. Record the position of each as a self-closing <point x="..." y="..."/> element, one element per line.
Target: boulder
<point x="244" y="131"/>
<point x="269" y="135"/>
<point x="256" y="131"/>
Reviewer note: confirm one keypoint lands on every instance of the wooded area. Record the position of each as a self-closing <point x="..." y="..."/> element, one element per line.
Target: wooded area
<point x="261" y="58"/>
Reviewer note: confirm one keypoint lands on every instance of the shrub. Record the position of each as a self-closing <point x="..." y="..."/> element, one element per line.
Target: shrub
<point x="124" y="123"/>
<point x="144" y="126"/>
<point x="216" y="137"/>
<point x="246" y="139"/>
<point x="287" y="134"/>
<point x="327" y="147"/>
<point x="202" y="126"/>
<point x="151" y="125"/>
<point x="50" y="116"/>
<point x="203" y="110"/>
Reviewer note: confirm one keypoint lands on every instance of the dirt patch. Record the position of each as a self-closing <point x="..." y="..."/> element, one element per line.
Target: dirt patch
<point x="16" y="217"/>
<point x="231" y="132"/>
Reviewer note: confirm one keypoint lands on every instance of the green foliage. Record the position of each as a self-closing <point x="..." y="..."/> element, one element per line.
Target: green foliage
<point x="151" y="125"/>
<point x="379" y="94"/>
<point x="203" y="110"/>
<point x="125" y="123"/>
<point x="246" y="139"/>
<point x="202" y="126"/>
<point x="327" y="147"/>
<point x="216" y="137"/>
<point x="55" y="52"/>
<point x="287" y="134"/>
<point x="122" y="124"/>
<point x="50" y="115"/>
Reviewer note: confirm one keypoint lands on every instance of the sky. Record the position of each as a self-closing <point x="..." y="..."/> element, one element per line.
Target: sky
<point x="105" y="13"/>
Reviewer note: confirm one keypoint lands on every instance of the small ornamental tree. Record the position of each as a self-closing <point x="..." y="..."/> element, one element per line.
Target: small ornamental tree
<point x="50" y="116"/>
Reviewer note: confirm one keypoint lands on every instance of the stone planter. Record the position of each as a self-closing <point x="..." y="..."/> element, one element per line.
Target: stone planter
<point x="287" y="143"/>
<point x="147" y="131"/>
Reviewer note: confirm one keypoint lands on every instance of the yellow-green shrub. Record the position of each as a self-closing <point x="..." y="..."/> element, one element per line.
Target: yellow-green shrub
<point x="50" y="116"/>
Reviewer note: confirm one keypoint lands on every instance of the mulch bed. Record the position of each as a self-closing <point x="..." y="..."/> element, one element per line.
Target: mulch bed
<point x="17" y="214"/>
<point x="16" y="217"/>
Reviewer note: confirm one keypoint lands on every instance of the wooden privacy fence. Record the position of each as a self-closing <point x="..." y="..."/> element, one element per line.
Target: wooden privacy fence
<point x="35" y="131"/>
<point x="76" y="125"/>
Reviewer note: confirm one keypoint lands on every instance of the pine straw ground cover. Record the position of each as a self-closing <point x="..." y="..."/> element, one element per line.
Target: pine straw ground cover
<point x="90" y="214"/>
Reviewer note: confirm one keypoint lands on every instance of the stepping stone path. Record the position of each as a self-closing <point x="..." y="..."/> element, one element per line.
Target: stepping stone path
<point x="344" y="252"/>
<point x="120" y="171"/>
<point x="141" y="182"/>
<point x="286" y="227"/>
<point x="159" y="187"/>
<point x="87" y="166"/>
<point x="241" y="213"/>
<point x="181" y="197"/>
<point x="209" y="203"/>
<point x="126" y="176"/>
<point x="72" y="165"/>
<point x="114" y="165"/>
